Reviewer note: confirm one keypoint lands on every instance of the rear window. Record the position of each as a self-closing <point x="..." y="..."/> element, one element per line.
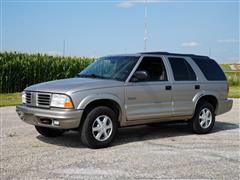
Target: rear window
<point x="210" y="69"/>
<point x="182" y="71"/>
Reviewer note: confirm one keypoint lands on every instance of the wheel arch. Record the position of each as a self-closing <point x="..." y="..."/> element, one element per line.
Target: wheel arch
<point x="110" y="101"/>
<point x="210" y="98"/>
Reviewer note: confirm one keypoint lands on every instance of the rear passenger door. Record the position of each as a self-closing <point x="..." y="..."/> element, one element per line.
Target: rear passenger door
<point x="185" y="86"/>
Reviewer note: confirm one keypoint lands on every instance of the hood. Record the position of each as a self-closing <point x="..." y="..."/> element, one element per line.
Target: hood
<point x="68" y="86"/>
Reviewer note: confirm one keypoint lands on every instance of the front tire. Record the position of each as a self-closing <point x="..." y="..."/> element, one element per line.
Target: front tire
<point x="204" y="118"/>
<point x="99" y="127"/>
<point x="49" y="132"/>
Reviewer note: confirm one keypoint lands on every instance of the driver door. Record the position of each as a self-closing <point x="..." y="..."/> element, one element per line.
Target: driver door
<point x="151" y="98"/>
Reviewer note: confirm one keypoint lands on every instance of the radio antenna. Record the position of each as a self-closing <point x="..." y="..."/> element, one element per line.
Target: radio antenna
<point x="145" y="26"/>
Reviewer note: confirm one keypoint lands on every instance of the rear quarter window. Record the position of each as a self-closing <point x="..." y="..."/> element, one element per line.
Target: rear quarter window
<point x="210" y="69"/>
<point x="182" y="71"/>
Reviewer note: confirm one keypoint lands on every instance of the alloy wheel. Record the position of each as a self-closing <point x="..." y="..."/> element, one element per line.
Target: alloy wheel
<point x="102" y="128"/>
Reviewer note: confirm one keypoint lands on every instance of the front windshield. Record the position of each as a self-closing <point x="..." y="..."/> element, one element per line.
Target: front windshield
<point x="112" y="67"/>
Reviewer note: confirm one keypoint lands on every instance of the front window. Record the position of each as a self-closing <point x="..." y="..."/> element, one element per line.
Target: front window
<point x="154" y="67"/>
<point x="112" y="67"/>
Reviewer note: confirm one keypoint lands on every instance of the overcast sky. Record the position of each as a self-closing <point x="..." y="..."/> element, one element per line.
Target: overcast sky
<point x="97" y="28"/>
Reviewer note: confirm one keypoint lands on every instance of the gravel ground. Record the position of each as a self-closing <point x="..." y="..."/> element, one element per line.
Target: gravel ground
<point x="141" y="152"/>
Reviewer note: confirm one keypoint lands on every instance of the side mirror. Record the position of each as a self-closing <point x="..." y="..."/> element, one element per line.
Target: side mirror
<point x="140" y="76"/>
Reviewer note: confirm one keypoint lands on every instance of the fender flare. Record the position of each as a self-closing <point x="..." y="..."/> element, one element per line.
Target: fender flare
<point x="103" y="96"/>
<point x="100" y="96"/>
<point x="201" y="94"/>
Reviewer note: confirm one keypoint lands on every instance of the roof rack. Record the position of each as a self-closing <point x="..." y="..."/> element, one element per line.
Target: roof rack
<point x="173" y="54"/>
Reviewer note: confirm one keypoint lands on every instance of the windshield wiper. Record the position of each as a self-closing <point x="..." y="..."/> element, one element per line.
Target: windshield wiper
<point x="92" y="76"/>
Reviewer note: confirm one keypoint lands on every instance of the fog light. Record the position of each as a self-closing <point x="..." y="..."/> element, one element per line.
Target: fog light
<point x="21" y="115"/>
<point x="56" y="123"/>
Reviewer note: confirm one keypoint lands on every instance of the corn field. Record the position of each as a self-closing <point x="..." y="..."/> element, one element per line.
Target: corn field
<point x="232" y="72"/>
<point x="233" y="78"/>
<point x="19" y="70"/>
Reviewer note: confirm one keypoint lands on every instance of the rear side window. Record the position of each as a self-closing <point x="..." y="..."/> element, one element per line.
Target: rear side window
<point x="210" y="69"/>
<point x="182" y="71"/>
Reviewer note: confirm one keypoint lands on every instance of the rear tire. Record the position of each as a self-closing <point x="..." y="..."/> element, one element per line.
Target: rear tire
<point x="99" y="127"/>
<point x="204" y="118"/>
<point x="49" y="132"/>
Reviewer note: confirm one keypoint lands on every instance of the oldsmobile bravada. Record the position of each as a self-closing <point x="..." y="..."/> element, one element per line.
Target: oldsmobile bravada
<point x="125" y="90"/>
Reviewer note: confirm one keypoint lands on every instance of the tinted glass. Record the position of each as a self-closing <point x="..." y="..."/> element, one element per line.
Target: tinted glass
<point x="182" y="71"/>
<point x="210" y="69"/>
<point x="112" y="67"/>
<point x="154" y="67"/>
<point x="191" y="73"/>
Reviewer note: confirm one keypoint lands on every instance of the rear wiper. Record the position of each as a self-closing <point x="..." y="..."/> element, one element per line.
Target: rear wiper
<point x="91" y="76"/>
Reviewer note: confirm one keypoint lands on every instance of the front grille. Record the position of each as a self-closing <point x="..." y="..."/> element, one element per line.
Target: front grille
<point x="28" y="98"/>
<point x="38" y="99"/>
<point x="43" y="99"/>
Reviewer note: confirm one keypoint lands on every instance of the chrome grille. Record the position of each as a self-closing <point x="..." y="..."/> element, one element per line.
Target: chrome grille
<point x="28" y="98"/>
<point x="38" y="99"/>
<point x="43" y="99"/>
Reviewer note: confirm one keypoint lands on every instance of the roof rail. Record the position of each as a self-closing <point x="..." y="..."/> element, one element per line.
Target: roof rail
<point x="173" y="54"/>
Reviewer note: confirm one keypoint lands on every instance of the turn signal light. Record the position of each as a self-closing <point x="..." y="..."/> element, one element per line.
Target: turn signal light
<point x="68" y="105"/>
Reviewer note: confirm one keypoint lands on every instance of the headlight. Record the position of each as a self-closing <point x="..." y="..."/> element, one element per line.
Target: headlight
<point x="62" y="101"/>
<point x="24" y="97"/>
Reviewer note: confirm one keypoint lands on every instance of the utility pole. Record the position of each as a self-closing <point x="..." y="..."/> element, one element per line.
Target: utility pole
<point x="145" y="26"/>
<point x="209" y="52"/>
<point x="63" y="47"/>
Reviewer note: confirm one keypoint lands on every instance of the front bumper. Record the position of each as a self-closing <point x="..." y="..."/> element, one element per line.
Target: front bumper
<point x="224" y="106"/>
<point x="68" y="119"/>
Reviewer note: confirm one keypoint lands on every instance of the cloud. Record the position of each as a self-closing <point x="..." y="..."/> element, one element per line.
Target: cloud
<point x="125" y="4"/>
<point x="229" y="40"/>
<point x="131" y="3"/>
<point x="190" y="44"/>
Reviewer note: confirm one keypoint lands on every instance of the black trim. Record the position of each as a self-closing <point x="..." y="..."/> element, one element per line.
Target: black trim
<point x="172" y="54"/>
<point x="168" y="87"/>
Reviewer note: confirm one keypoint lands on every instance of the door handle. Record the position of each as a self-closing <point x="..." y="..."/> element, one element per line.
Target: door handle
<point x="168" y="87"/>
<point x="197" y="86"/>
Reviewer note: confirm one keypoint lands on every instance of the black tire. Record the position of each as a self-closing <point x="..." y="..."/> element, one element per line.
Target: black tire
<point x="154" y="125"/>
<point x="49" y="132"/>
<point x="87" y="134"/>
<point x="196" y="120"/>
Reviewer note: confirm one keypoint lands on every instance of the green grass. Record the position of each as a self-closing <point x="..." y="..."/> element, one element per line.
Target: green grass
<point x="12" y="99"/>
<point x="234" y="92"/>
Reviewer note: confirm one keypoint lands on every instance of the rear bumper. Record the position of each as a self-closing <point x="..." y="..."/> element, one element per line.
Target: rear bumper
<point x="224" y="106"/>
<point x="68" y="119"/>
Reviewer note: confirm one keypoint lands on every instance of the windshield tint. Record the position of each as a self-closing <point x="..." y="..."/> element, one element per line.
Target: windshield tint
<point x="112" y="67"/>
